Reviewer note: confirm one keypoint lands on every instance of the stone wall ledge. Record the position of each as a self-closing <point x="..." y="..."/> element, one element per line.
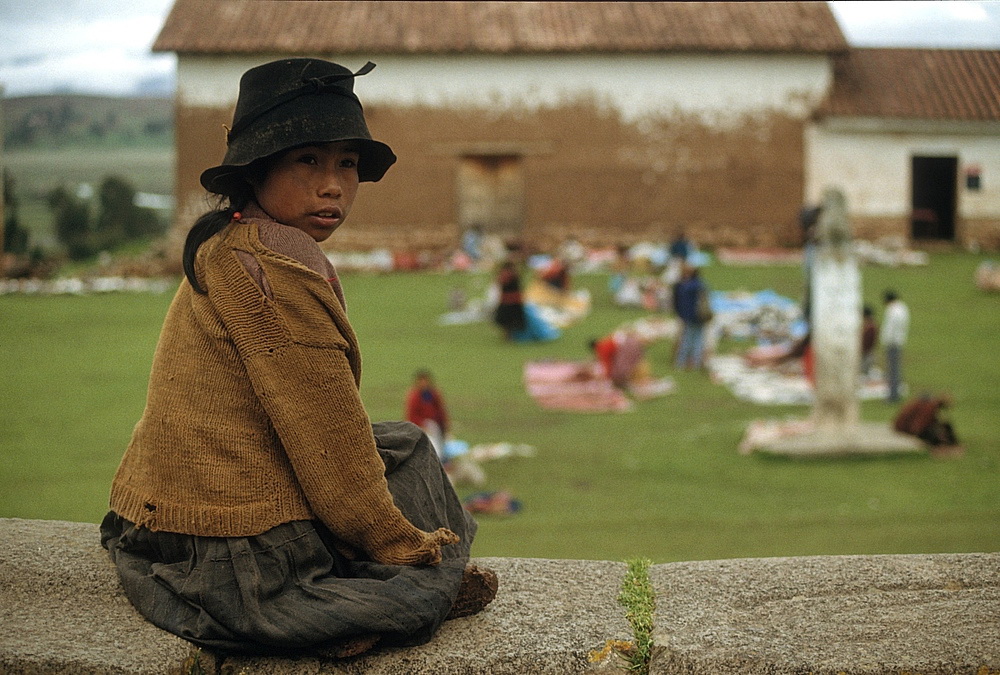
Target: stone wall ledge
<point x="63" y="611"/>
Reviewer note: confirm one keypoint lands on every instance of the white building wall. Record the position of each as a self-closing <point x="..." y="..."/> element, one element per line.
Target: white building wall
<point x="870" y="161"/>
<point x="720" y="88"/>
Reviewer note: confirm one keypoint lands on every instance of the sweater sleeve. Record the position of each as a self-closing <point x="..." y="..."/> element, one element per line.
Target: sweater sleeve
<point x="295" y="353"/>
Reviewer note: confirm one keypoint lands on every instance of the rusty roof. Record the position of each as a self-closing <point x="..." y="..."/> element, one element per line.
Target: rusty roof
<point x="329" y="27"/>
<point x="929" y="84"/>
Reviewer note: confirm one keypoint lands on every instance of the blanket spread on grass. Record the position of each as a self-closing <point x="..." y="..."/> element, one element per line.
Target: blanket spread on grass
<point x="777" y="386"/>
<point x="558" y="385"/>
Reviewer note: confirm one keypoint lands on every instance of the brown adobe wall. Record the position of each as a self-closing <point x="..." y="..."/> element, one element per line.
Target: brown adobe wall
<point x="977" y="233"/>
<point x="586" y="173"/>
<point x="873" y="228"/>
<point x="200" y="139"/>
<point x="980" y="233"/>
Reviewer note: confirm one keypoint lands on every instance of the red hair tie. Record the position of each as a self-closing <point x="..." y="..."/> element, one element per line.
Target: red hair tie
<point x="237" y="215"/>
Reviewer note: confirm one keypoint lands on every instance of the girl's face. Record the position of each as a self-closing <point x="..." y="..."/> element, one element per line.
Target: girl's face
<point x="311" y="187"/>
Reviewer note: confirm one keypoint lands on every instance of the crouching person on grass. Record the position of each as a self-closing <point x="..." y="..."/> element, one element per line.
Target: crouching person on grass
<point x="257" y="509"/>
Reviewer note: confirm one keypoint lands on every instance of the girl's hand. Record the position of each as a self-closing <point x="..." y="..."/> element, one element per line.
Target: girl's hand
<point x="425" y="552"/>
<point x="440" y="537"/>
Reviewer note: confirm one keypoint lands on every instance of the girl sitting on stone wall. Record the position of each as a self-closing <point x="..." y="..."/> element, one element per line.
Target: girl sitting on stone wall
<point x="256" y="508"/>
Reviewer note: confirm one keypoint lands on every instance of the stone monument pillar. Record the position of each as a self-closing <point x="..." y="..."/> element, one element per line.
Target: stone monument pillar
<point x="835" y="428"/>
<point x="836" y="317"/>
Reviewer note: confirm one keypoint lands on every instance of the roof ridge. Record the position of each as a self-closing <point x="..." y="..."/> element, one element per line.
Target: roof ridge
<point x="462" y="26"/>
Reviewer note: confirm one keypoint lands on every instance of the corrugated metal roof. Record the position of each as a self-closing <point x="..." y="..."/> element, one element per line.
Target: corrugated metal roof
<point x="324" y="26"/>
<point x="929" y="84"/>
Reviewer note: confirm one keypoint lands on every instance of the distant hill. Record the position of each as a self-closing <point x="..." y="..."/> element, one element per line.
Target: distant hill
<point x="75" y="120"/>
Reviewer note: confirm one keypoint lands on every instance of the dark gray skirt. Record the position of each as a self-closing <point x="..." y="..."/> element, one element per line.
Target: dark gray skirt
<point x="288" y="588"/>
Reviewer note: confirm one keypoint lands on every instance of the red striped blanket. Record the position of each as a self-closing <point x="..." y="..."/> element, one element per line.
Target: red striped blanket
<point x="570" y="385"/>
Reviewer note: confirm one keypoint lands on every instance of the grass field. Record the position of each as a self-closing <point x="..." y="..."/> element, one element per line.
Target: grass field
<point x="663" y="482"/>
<point x="37" y="171"/>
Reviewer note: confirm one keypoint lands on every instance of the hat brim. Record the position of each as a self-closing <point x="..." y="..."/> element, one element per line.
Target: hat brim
<point x="374" y="160"/>
<point x="323" y="118"/>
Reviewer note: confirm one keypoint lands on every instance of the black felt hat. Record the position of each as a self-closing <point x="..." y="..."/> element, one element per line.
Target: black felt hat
<point x="294" y="102"/>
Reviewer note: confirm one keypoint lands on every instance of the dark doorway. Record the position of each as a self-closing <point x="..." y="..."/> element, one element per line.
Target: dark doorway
<point x="491" y="194"/>
<point x="933" y="197"/>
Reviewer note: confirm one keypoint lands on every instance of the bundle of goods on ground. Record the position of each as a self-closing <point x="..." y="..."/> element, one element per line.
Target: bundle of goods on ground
<point x="463" y="463"/>
<point x="988" y="276"/>
<point x="784" y="384"/>
<point x="762" y="374"/>
<point x="499" y="502"/>
<point x="546" y="311"/>
<point x="648" y="279"/>
<point x="86" y="286"/>
<point x="888" y="252"/>
<point x="762" y="433"/>
<point x="378" y="260"/>
<point x="539" y="325"/>
<point x="759" y="256"/>
<point x="764" y="316"/>
<point x="558" y="308"/>
<point x="647" y="292"/>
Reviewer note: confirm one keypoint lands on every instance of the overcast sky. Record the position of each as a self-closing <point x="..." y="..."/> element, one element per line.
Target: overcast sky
<point x="103" y="46"/>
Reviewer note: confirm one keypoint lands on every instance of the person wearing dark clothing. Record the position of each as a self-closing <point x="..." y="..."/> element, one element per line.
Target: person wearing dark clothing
<point x="869" y="338"/>
<point x="690" y="300"/>
<point x="680" y="247"/>
<point x="809" y="220"/>
<point x="509" y="313"/>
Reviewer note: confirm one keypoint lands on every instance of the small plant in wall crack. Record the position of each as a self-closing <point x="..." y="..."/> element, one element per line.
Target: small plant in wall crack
<point x="638" y="599"/>
<point x="192" y="664"/>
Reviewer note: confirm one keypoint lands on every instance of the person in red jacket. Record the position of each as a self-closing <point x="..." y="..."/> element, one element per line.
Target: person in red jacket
<point x="621" y="357"/>
<point x="425" y="408"/>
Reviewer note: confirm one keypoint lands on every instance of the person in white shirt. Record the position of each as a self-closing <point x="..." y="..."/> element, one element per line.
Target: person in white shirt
<point x="895" y="329"/>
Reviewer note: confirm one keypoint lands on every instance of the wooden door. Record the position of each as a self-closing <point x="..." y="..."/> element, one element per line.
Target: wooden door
<point x="491" y="194"/>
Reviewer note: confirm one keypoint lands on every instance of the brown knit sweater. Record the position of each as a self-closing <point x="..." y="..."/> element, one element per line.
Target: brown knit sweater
<point x="253" y="416"/>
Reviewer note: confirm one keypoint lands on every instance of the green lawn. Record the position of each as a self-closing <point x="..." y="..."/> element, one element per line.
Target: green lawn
<point x="38" y="170"/>
<point x="662" y="482"/>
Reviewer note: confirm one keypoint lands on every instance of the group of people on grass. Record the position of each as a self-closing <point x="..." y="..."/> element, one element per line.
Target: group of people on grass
<point x="690" y="302"/>
<point x="620" y="356"/>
